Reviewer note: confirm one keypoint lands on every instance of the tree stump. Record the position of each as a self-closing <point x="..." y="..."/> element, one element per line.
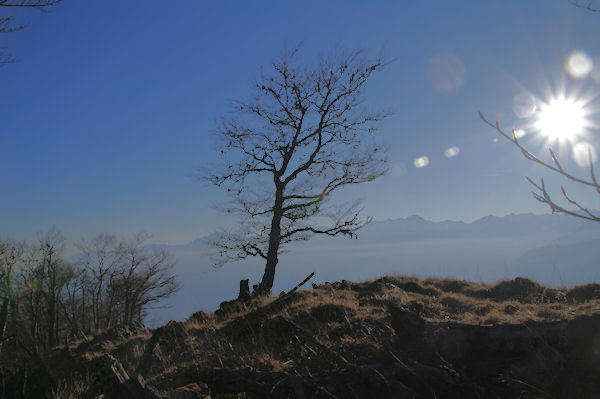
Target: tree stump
<point x="244" y="290"/>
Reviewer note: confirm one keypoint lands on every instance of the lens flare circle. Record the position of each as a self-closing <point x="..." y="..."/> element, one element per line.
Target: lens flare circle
<point x="446" y="72"/>
<point x="578" y="64"/>
<point x="451" y="152"/>
<point x="561" y="119"/>
<point x="524" y="105"/>
<point x="582" y="152"/>
<point x="421" y="162"/>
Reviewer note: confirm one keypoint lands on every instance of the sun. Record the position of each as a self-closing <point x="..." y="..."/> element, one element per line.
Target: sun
<point x="562" y="119"/>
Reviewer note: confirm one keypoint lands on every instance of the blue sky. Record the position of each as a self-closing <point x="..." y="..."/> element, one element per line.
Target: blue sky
<point x="108" y="113"/>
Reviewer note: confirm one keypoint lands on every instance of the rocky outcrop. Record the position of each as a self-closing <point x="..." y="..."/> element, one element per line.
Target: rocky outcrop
<point x="112" y="381"/>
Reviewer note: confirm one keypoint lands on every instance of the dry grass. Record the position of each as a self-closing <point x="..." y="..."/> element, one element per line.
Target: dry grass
<point x="583" y="293"/>
<point x="351" y="319"/>
<point x="333" y="323"/>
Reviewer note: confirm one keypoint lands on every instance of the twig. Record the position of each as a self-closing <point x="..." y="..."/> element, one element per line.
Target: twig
<point x="515" y="380"/>
<point x="290" y="292"/>
<point x="587" y="7"/>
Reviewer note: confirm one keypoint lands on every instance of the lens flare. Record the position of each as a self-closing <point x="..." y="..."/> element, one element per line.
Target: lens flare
<point x="524" y="105"/>
<point x="451" y="152"/>
<point x="578" y="64"/>
<point x="445" y="72"/>
<point x="421" y="162"/>
<point x="582" y="152"/>
<point x="561" y="119"/>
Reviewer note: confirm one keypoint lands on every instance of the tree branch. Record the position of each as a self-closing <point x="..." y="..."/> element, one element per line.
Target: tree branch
<point x="586" y="7"/>
<point x="542" y="195"/>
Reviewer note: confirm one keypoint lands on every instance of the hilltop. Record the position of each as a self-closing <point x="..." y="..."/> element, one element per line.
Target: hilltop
<point x="394" y="337"/>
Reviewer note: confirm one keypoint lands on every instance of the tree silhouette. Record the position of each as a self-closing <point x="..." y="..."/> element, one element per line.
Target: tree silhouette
<point x="119" y="280"/>
<point x="303" y="135"/>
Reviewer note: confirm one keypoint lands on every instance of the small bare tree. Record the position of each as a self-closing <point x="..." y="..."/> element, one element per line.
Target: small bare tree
<point x="11" y="256"/>
<point x="303" y="135"/>
<point x="55" y="276"/>
<point x="541" y="193"/>
<point x="144" y="278"/>
<point x="100" y="259"/>
<point x="122" y="279"/>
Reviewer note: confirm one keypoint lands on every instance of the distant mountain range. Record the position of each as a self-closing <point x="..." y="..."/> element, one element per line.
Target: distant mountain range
<point x="554" y="249"/>
<point x="416" y="228"/>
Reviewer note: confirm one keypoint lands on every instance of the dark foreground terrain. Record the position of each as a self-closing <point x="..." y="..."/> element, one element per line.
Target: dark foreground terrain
<point x="396" y="337"/>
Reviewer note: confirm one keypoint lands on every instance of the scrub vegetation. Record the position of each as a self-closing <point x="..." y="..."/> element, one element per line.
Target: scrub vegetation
<point x="395" y="336"/>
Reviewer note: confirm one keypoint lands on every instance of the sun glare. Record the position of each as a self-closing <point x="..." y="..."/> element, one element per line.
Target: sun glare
<point x="561" y="119"/>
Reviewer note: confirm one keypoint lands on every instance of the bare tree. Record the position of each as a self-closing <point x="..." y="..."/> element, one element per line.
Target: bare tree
<point x="541" y="193"/>
<point x="33" y="278"/>
<point x="31" y="299"/>
<point x="144" y="278"/>
<point x="7" y="22"/>
<point x="44" y="299"/>
<point x="55" y="275"/>
<point x="14" y="256"/>
<point x="303" y="135"/>
<point x="74" y="303"/>
<point x="122" y="279"/>
<point x="11" y="255"/>
<point x="100" y="259"/>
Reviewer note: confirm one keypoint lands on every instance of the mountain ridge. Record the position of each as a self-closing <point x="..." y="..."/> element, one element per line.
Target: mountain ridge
<point x="525" y="221"/>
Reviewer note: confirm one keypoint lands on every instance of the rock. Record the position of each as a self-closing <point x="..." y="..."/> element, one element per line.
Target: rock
<point x="165" y="337"/>
<point x="112" y="381"/>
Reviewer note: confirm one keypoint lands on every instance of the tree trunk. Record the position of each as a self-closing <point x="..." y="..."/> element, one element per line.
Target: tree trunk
<point x="5" y="303"/>
<point x="35" y="307"/>
<point x="96" y="306"/>
<point x="83" y="311"/>
<point x="51" y="297"/>
<point x="274" y="240"/>
<point x="51" y="309"/>
<point x="56" y="323"/>
<point x="3" y="318"/>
